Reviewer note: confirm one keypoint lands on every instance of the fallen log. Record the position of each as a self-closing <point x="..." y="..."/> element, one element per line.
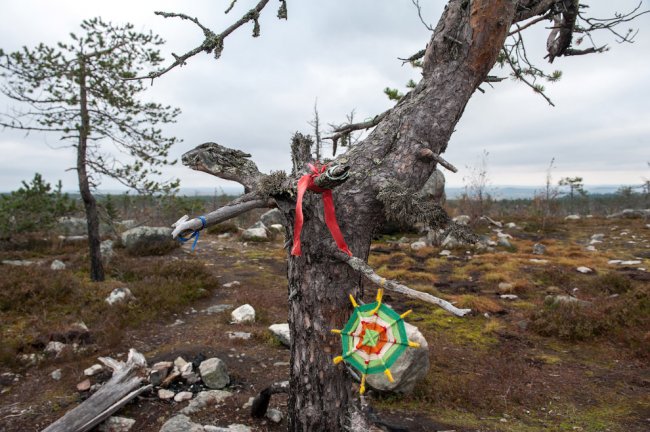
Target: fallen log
<point x="125" y="384"/>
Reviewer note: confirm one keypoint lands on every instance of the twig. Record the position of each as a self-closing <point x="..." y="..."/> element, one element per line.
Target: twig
<point x="391" y="285"/>
<point x="344" y="130"/>
<point x="416" y="3"/>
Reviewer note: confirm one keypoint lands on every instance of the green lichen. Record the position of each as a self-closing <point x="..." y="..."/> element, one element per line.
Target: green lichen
<point x="407" y="206"/>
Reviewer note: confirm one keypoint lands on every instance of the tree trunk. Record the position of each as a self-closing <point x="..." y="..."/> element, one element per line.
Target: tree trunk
<point x="90" y="204"/>
<point x="459" y="56"/>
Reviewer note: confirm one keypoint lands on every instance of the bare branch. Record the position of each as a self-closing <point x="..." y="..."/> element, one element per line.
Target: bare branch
<point x="416" y="3"/>
<point x="530" y="23"/>
<point x="345" y="130"/>
<point x="417" y="56"/>
<point x="362" y="267"/>
<point x="213" y="43"/>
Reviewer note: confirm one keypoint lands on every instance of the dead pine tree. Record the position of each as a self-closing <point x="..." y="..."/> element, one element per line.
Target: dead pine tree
<point x="378" y="178"/>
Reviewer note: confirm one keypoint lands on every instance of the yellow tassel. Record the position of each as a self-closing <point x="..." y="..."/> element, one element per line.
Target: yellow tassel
<point x="405" y="314"/>
<point x="338" y="359"/>
<point x="336" y="331"/>
<point x="362" y="387"/>
<point x="389" y="375"/>
<point x="414" y="344"/>
<point x="353" y="301"/>
<point x="380" y="294"/>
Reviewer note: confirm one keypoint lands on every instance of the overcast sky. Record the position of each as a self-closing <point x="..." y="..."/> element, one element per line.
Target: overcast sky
<point x="343" y="53"/>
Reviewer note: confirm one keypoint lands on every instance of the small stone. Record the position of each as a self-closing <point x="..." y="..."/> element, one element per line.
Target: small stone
<point x="614" y="261"/>
<point x="243" y="314"/>
<point x="503" y="242"/>
<point x="509" y="297"/>
<point x="630" y="262"/>
<point x="282" y="333"/>
<point x="56" y="375"/>
<point x="416" y="246"/>
<point x="281" y="364"/>
<point x="93" y="370"/>
<point x="539" y="249"/>
<point x="117" y="424"/>
<point x="183" y="396"/>
<point x="84" y="385"/>
<point x="255" y="233"/>
<point x="591" y="248"/>
<point x="249" y="403"/>
<point x="445" y="252"/>
<point x="120" y="295"/>
<point x="511" y="225"/>
<point x="233" y="284"/>
<point x="176" y="323"/>
<point x="188" y="374"/>
<point x="57" y="265"/>
<point x="205" y="399"/>
<point x="584" y="270"/>
<point x="165" y="394"/>
<point x="181" y="423"/>
<point x="239" y="335"/>
<point x="54" y="348"/>
<point x="214" y="373"/>
<point x="572" y="217"/>
<point x="462" y="219"/>
<point x="274" y="415"/>
<point x="214" y="309"/>
<point x="180" y="362"/>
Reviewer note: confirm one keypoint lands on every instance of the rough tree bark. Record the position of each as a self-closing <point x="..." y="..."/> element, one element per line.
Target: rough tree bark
<point x="90" y="204"/>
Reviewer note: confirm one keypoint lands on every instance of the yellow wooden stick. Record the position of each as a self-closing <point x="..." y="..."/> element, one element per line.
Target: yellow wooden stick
<point x="353" y="301"/>
<point x="414" y="344"/>
<point x="405" y="314"/>
<point x="362" y="387"/>
<point x="389" y="375"/>
<point x="338" y="359"/>
<point x="336" y="331"/>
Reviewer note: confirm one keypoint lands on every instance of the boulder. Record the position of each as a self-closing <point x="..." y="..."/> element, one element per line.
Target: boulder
<point x="273" y="217"/>
<point x="539" y="249"/>
<point x="462" y="220"/>
<point x="243" y="314"/>
<point x="116" y="424"/>
<point x="106" y="249"/>
<point x="120" y="295"/>
<point x="256" y="233"/>
<point x="165" y="394"/>
<point x="72" y="226"/>
<point x="408" y="370"/>
<point x="57" y="265"/>
<point x="181" y="423"/>
<point x="205" y="399"/>
<point x="630" y="214"/>
<point x="149" y="240"/>
<point x="434" y="188"/>
<point x="214" y="373"/>
<point x="282" y="333"/>
<point x="416" y="246"/>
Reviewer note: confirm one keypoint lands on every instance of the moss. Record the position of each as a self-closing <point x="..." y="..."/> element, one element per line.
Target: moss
<point x="465" y="330"/>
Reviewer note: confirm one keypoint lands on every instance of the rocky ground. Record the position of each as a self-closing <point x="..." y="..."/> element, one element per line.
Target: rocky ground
<point x="559" y="338"/>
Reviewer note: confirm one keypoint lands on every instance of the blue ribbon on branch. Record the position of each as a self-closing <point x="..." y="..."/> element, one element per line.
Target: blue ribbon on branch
<point x="194" y="235"/>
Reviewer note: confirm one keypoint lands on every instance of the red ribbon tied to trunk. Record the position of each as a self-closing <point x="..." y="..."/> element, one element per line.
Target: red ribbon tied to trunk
<point x="305" y="183"/>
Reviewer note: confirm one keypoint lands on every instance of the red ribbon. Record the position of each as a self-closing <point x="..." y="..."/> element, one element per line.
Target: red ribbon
<point x="306" y="182"/>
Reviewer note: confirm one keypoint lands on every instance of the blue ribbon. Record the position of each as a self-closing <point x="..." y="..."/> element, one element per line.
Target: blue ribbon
<point x="194" y="235"/>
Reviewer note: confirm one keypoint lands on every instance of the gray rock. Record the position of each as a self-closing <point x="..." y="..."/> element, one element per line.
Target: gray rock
<point x="188" y="374"/>
<point x="148" y="240"/>
<point x="418" y="245"/>
<point x="165" y="394"/>
<point x="504" y="242"/>
<point x="408" y="370"/>
<point x="598" y="237"/>
<point x="434" y="188"/>
<point x="120" y="295"/>
<point x="630" y="214"/>
<point x="511" y="225"/>
<point x="274" y="415"/>
<point x="180" y="362"/>
<point x="217" y="308"/>
<point x="93" y="370"/>
<point x="57" y="375"/>
<point x="572" y="217"/>
<point x="509" y="297"/>
<point x="230" y="428"/>
<point x="214" y="373"/>
<point x="273" y="217"/>
<point x="117" y="424"/>
<point x="205" y="399"/>
<point x="181" y="423"/>
<point x="18" y="262"/>
<point x="72" y="226"/>
<point x="276" y="228"/>
<point x="239" y="335"/>
<point x="233" y="284"/>
<point x="584" y="270"/>
<point x="57" y="265"/>
<point x="462" y="219"/>
<point x="55" y="348"/>
<point x="183" y="396"/>
<point x="445" y="252"/>
<point x="258" y="234"/>
<point x="282" y="333"/>
<point x="505" y="287"/>
<point x="243" y="314"/>
<point x="106" y="249"/>
<point x="539" y="249"/>
<point x="31" y="359"/>
<point x="565" y="299"/>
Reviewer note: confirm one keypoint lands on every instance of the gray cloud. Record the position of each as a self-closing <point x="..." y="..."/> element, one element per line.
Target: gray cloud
<point x="344" y="53"/>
